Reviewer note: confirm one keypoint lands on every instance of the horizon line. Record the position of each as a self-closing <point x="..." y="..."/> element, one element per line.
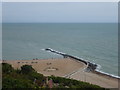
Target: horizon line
<point x="59" y="22"/>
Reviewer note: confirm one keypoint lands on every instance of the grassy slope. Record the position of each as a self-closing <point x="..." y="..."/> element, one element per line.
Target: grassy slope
<point x="27" y="77"/>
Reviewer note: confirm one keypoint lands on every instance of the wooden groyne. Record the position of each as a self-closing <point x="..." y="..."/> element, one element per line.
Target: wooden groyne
<point x="91" y="66"/>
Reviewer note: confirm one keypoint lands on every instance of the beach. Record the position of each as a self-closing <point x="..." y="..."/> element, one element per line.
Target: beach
<point x="68" y="68"/>
<point x="72" y="40"/>
<point x="84" y="40"/>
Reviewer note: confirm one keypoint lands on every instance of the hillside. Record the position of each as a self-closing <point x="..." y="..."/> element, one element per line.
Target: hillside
<point x="27" y="77"/>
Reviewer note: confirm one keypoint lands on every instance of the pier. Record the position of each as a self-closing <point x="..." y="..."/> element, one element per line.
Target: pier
<point x="91" y="66"/>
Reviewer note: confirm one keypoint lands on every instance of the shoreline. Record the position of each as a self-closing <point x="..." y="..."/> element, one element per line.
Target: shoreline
<point x="92" y="66"/>
<point x="68" y="68"/>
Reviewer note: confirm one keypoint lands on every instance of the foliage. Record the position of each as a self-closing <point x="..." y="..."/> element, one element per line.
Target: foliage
<point x="10" y="82"/>
<point x="27" y="78"/>
<point x="74" y="83"/>
<point x="25" y="69"/>
<point x="7" y="68"/>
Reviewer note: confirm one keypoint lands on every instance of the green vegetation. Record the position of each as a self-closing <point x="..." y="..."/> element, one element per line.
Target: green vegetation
<point x="26" y="69"/>
<point x="27" y="78"/>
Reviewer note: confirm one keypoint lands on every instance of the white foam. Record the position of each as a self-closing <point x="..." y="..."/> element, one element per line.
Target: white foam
<point x="97" y="68"/>
<point x="42" y="49"/>
<point x="56" y="51"/>
<point x="107" y="74"/>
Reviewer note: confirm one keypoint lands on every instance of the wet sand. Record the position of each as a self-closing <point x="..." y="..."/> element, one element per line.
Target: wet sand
<point x="68" y="68"/>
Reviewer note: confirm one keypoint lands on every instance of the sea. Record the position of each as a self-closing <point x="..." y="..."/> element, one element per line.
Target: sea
<point x="94" y="42"/>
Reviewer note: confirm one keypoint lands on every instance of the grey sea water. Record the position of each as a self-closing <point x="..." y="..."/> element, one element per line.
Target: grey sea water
<point x="95" y="42"/>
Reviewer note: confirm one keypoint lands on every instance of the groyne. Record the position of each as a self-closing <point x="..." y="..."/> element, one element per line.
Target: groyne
<point x="90" y="66"/>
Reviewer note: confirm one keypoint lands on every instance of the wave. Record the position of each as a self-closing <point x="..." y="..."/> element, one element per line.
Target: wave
<point x="98" y="69"/>
<point x="114" y="76"/>
<point x="42" y="49"/>
<point x="94" y="66"/>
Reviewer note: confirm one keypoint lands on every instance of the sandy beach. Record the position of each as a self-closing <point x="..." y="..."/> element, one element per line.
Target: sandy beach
<point x="68" y="68"/>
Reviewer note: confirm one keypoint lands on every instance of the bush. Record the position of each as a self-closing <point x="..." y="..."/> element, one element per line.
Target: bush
<point x="25" y="69"/>
<point x="7" y="68"/>
<point x="34" y="75"/>
<point x="27" y="78"/>
<point x="10" y="82"/>
<point x="74" y="83"/>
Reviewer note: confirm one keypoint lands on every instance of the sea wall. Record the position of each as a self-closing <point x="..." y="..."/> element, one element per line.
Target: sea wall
<point x="90" y="66"/>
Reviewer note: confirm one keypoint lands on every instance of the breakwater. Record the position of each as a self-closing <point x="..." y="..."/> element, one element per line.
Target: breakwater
<point x="90" y="66"/>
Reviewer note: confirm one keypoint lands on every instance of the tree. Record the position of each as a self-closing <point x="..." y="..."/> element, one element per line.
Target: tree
<point x="7" y="68"/>
<point x="25" y="69"/>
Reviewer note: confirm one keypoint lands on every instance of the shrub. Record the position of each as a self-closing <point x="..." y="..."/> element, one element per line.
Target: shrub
<point x="7" y="68"/>
<point x="25" y="69"/>
<point x="27" y="78"/>
<point x="10" y="82"/>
